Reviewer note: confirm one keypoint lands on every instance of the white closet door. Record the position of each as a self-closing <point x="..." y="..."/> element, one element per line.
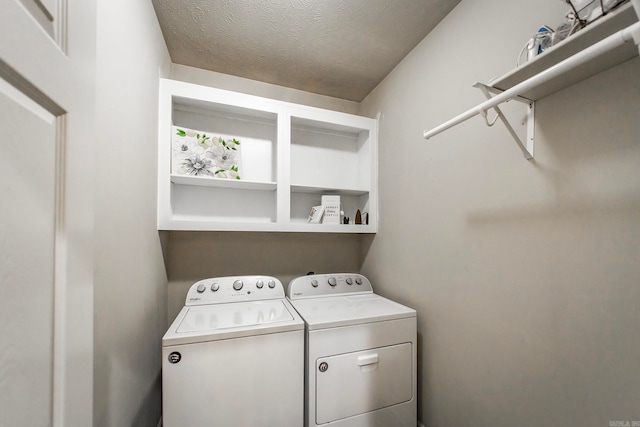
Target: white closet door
<point x="47" y="61"/>
<point x="27" y="197"/>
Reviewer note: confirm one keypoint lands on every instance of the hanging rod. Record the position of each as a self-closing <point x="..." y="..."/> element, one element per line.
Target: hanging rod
<point x="631" y="33"/>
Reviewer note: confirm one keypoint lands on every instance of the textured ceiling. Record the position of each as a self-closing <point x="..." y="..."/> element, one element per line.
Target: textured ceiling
<point x="339" y="48"/>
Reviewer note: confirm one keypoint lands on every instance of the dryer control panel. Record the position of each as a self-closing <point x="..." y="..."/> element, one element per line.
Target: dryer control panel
<point x="324" y="285"/>
<point x="222" y="290"/>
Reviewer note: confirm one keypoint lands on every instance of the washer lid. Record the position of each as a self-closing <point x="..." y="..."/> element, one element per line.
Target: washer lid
<point x="331" y="312"/>
<point x="238" y="315"/>
<point x="224" y="321"/>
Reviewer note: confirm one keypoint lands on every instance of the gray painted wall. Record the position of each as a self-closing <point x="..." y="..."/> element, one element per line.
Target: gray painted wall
<point x="525" y="274"/>
<point x="192" y="256"/>
<point x="130" y="281"/>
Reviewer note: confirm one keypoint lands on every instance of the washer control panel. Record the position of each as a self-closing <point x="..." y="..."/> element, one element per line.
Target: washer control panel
<point x="324" y="285"/>
<point x="219" y="290"/>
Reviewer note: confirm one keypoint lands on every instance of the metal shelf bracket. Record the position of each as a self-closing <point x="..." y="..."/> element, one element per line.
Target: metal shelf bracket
<point x="527" y="146"/>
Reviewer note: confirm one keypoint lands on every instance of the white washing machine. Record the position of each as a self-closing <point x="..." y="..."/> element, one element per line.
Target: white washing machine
<point x="360" y="361"/>
<point x="234" y="357"/>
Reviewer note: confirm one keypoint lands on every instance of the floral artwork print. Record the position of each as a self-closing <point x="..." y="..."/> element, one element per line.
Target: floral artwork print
<point x="197" y="154"/>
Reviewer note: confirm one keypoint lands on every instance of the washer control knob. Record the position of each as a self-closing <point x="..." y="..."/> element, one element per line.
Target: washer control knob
<point x="271" y="284"/>
<point x="332" y="281"/>
<point x="201" y="287"/>
<point x="349" y="281"/>
<point x="314" y="283"/>
<point x="358" y="281"/>
<point x="259" y="284"/>
<point x="237" y="285"/>
<point x="215" y="286"/>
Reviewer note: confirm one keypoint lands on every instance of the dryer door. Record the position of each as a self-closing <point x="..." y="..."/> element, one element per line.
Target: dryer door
<point x="356" y="383"/>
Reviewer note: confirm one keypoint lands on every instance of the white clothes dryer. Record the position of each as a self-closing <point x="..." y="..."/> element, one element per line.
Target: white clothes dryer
<point x="234" y="357"/>
<point x="360" y="353"/>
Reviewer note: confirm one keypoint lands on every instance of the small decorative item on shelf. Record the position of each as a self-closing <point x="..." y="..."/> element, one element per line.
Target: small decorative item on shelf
<point x="197" y="154"/>
<point x="315" y="215"/>
<point x="331" y="207"/>
<point x="358" y="217"/>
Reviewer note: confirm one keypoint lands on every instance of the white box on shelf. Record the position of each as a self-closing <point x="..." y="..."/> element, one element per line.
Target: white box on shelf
<point x="331" y="206"/>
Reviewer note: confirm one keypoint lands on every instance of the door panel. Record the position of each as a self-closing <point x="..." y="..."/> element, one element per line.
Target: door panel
<point x="28" y="166"/>
<point x="47" y="15"/>
<point x="355" y="383"/>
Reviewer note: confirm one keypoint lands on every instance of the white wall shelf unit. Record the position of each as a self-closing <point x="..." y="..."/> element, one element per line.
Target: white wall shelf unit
<point x="291" y="155"/>
<point x="611" y="40"/>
